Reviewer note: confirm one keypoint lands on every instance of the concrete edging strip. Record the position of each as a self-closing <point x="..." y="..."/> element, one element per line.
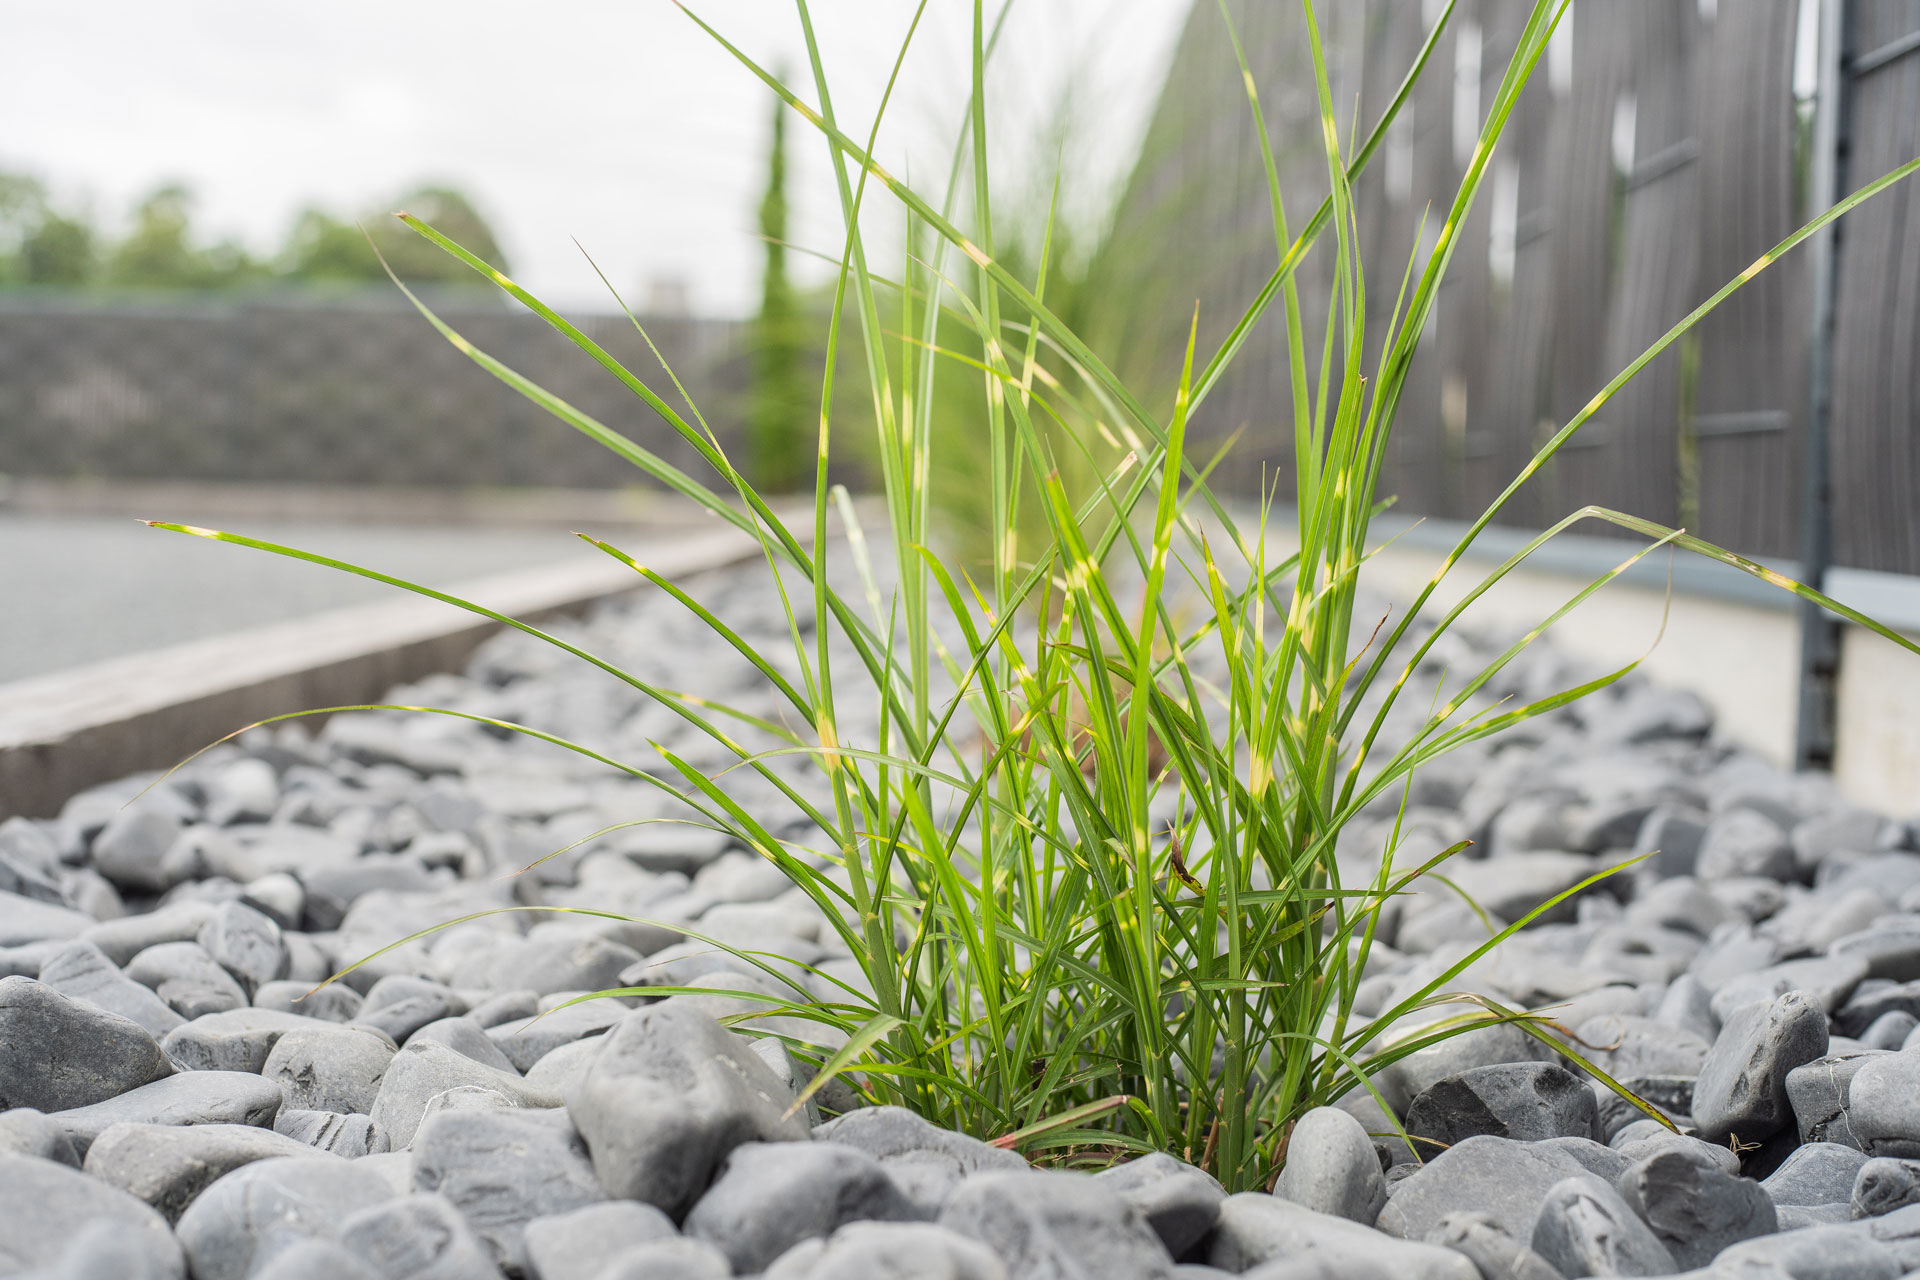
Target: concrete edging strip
<point x="68" y="730"/>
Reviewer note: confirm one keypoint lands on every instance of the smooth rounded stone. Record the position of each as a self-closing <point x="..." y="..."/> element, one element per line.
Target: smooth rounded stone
<point x="328" y="1067"/>
<point x="1882" y="1185"/>
<point x="1595" y="1157"/>
<point x="191" y="1097"/>
<point x="578" y="1244"/>
<point x="1874" y="1000"/>
<point x="769" y="1196"/>
<point x="924" y="1160"/>
<point x="1679" y="905"/>
<point x="123" y="939"/>
<point x="1890" y="946"/>
<point x="671" y="846"/>
<point x="100" y="1251"/>
<point x="1332" y="1167"/>
<point x="262" y="1208"/>
<point x="418" y="1237"/>
<point x="278" y="896"/>
<point x="1890" y="1030"/>
<point x="1666" y="1140"/>
<point x="1181" y="1202"/>
<point x="1406" y="1079"/>
<point x="48" y="1205"/>
<point x="893" y="1251"/>
<point x="81" y="970"/>
<point x="25" y="1131"/>
<point x="1820" y="1252"/>
<point x="1510" y="886"/>
<point x="1794" y="1217"/>
<point x="1694" y="1206"/>
<point x="1818" y="1094"/>
<point x="1828" y="979"/>
<point x="57" y="1053"/>
<point x="131" y="850"/>
<point x="561" y="1071"/>
<point x="676" y="1259"/>
<point x="24" y="961"/>
<point x="502" y="1169"/>
<point x="1671" y="1096"/>
<point x="465" y="1036"/>
<point x="525" y="1041"/>
<point x="1256" y="1229"/>
<point x="1498" y="1255"/>
<point x="1732" y="949"/>
<point x="1043" y="1223"/>
<point x="399" y="1018"/>
<point x="186" y="978"/>
<point x="1688" y="1006"/>
<point x="508" y="1006"/>
<point x="247" y="790"/>
<point x="1742" y="842"/>
<point x="350" y="1136"/>
<point x="1584" y="1228"/>
<point x="166" y="1166"/>
<point x="1742" y="1089"/>
<point x="668" y="1096"/>
<point x="30" y="863"/>
<point x="1816" y="1173"/>
<point x="331" y="890"/>
<point x="1496" y="1176"/>
<point x="335" y="1003"/>
<point x="1525" y="1100"/>
<point x="1883" y="1105"/>
<point x="1672" y="834"/>
<point x="245" y="943"/>
<point x="419" y="1071"/>
<point x="238" y="1040"/>
<point x="568" y="960"/>
<point x="315" y="1260"/>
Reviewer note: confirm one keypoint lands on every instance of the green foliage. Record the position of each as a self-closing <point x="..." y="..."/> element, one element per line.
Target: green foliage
<point x="323" y="249"/>
<point x="159" y="251"/>
<point x="39" y="245"/>
<point x="778" y="434"/>
<point x="1074" y="815"/>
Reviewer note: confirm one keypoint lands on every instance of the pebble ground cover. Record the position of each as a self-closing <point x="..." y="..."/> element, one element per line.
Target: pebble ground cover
<point x="1136" y="901"/>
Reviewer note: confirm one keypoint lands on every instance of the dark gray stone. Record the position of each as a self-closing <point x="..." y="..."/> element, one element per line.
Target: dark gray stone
<point x="566" y="960"/>
<point x="465" y="1036"/>
<point x="81" y="970"/>
<point x="351" y="1136"/>
<point x="167" y="1166"/>
<point x="1890" y="1030"/>
<point x="1817" y="1173"/>
<point x="30" y="863"/>
<point x="1828" y="979"/>
<point x="1672" y="834"/>
<point x="1498" y="1255"/>
<point x="335" y="1003"/>
<point x="893" y="1251"/>
<point x="420" y="1237"/>
<point x="188" y="979"/>
<point x="1818" y="1095"/>
<point x="1499" y="1177"/>
<point x="123" y="939"/>
<point x="238" y="1040"/>
<point x="1181" y="1202"/>
<point x="245" y="943"/>
<point x="48" y="1205"/>
<point x="1257" y="1229"/>
<point x="1882" y="1185"/>
<point x="131" y="850"/>
<point x="925" y="1161"/>
<point x="1890" y="946"/>
<point x="192" y="1097"/>
<point x="1696" y="1207"/>
<point x="1332" y="1167"/>
<point x="420" y="1071"/>
<point x="1812" y="1253"/>
<point x="327" y="1067"/>
<point x="1584" y="1228"/>
<point x="260" y="1209"/>
<point x="1525" y="1100"/>
<point x="769" y="1196"/>
<point x="578" y="1245"/>
<point x="1883" y="1105"/>
<point x="502" y="1169"/>
<point x="670" y="1093"/>
<point x="1742" y="842"/>
<point x="331" y="890"/>
<point x="1742" y="1089"/>
<point x="57" y="1053"/>
<point x="1059" y="1224"/>
<point x="508" y="1006"/>
<point x="27" y="1132"/>
<point x="1406" y="1079"/>
<point x="526" y="1040"/>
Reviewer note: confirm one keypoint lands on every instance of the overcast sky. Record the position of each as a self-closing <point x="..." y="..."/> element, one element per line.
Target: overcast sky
<point x="618" y="122"/>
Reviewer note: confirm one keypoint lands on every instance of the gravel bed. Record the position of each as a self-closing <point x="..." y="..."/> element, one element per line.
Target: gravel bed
<point x="170" y="1106"/>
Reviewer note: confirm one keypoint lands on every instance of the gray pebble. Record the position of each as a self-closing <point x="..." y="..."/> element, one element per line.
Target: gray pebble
<point x="167" y="1166"/>
<point x="189" y="980"/>
<point x="769" y="1196"/>
<point x="328" y="1067"/>
<point x="1529" y="1101"/>
<point x="418" y="1237"/>
<point x="420" y="1071"/>
<point x="1742" y="1087"/>
<point x="192" y="1097"/>
<point x="1051" y="1223"/>
<point x="1585" y="1229"/>
<point x="81" y="970"/>
<point x="1332" y="1167"/>
<point x="578" y="1245"/>
<point x="131" y="851"/>
<point x="1818" y="1093"/>
<point x="677" y="1259"/>
<point x="1694" y="1206"/>
<point x="1498" y="1255"/>
<point x="1883" y="1185"/>
<point x="335" y="1003"/>
<point x="1259" y="1229"/>
<point x="238" y="1040"/>
<point x="48" y="1205"/>
<point x="1181" y="1202"/>
<point x="245" y="943"/>
<point x="314" y="1260"/>
<point x="502" y="1169"/>
<point x="893" y="1251"/>
<point x="926" y="1162"/>
<point x="1816" y="1173"/>
<point x="1503" y="1179"/>
<point x="259" y="1209"/>
<point x="57" y="1053"/>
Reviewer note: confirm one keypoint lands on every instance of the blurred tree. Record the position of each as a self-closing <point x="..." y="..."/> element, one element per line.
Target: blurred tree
<point x="60" y="251"/>
<point x="321" y="247"/>
<point x="777" y="423"/>
<point x="159" y="252"/>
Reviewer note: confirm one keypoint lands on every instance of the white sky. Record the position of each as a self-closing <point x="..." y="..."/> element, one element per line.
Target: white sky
<point x="618" y="122"/>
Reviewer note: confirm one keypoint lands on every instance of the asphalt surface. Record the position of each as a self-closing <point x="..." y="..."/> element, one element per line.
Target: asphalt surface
<point x="76" y="589"/>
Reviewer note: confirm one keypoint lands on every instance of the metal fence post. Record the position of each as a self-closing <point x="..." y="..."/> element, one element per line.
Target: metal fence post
<point x="1827" y="178"/>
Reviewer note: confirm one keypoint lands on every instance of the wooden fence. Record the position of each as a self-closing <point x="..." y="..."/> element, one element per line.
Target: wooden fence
<point x="1660" y="149"/>
<point x="358" y="391"/>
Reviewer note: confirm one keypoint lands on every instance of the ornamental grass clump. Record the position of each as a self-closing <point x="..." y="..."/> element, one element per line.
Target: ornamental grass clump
<point x="1074" y="815"/>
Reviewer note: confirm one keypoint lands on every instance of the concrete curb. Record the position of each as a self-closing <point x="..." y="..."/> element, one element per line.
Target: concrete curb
<point x="63" y="732"/>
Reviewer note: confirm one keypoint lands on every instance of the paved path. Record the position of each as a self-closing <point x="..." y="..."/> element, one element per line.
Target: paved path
<point x="79" y="589"/>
